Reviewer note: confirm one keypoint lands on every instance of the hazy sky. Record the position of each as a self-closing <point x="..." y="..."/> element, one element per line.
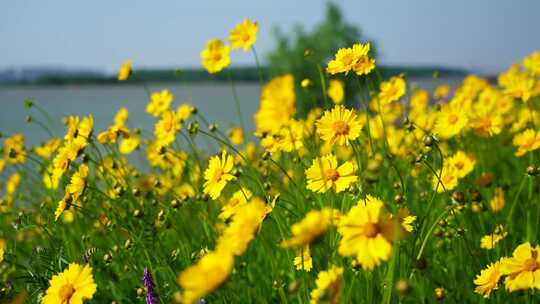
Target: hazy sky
<point x="486" y="35"/>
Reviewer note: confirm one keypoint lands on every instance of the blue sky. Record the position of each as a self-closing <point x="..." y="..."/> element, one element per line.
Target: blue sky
<point x="483" y="35"/>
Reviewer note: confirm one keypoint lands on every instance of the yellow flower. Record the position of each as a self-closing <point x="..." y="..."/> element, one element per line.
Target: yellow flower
<point x="238" y="199"/>
<point x="310" y="228"/>
<point x="532" y="63"/>
<point x="184" y="111"/>
<point x="339" y="126"/>
<point x="206" y="276"/>
<point x="354" y="58"/>
<point x="392" y="90"/>
<point x="159" y="102"/>
<point x="215" y="57"/>
<point x="528" y="140"/>
<point x="490" y="241"/>
<point x="242" y="229"/>
<point x="78" y="183"/>
<point x="344" y="61"/>
<point x="497" y="202"/>
<point x="448" y="179"/>
<point x="63" y="205"/>
<point x="488" y="279"/>
<point x="236" y="135"/>
<point x="165" y="129"/>
<point x="441" y="91"/>
<point x="244" y="35"/>
<point x="218" y="174"/>
<point x="277" y="107"/>
<point x="450" y="120"/>
<point x="14" y="152"/>
<point x="304" y="261"/>
<point x="74" y="285"/>
<point x="48" y="148"/>
<point x="336" y="91"/>
<point x="2" y="249"/>
<point x="324" y="174"/>
<point x="366" y="233"/>
<point x="125" y="70"/>
<point x="462" y="163"/>
<point x="328" y="288"/>
<point x="121" y="117"/>
<point x="522" y="269"/>
<point x="129" y="144"/>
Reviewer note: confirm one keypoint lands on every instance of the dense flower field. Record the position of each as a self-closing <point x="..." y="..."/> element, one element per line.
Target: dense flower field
<point x="410" y="196"/>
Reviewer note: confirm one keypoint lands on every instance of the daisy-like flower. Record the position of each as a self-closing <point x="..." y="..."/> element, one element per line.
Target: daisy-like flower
<point x="462" y="163"/>
<point x="311" y="227"/>
<point x="73" y="286"/>
<point x="236" y="135"/>
<point x="218" y="174"/>
<point x="165" y="129"/>
<point x="125" y="70"/>
<point x="339" y="126"/>
<point x="526" y="141"/>
<point x="447" y="181"/>
<point x="204" y="277"/>
<point x="488" y="279"/>
<point x="14" y="152"/>
<point x="244" y="35"/>
<point x="336" y="91"/>
<point x="303" y="260"/>
<point x="354" y="59"/>
<point x="78" y="182"/>
<point x="522" y="269"/>
<point x="215" y="57"/>
<point x="328" y="288"/>
<point x="392" y="90"/>
<point x="451" y="120"/>
<point x="159" y="102"/>
<point x="532" y="63"/>
<point x="367" y="233"/>
<point x="324" y="174"/>
<point x="238" y="199"/>
<point x="497" y="202"/>
<point x="490" y="241"/>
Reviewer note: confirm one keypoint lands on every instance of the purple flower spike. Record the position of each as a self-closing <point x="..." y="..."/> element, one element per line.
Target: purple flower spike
<point x="149" y="285"/>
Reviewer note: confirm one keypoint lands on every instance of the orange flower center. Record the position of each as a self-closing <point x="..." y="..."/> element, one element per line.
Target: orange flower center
<point x="66" y="292"/>
<point x="218" y="174"/>
<point x="217" y="56"/>
<point x="331" y="174"/>
<point x="453" y="118"/>
<point x="245" y="37"/>
<point x="371" y="230"/>
<point x="531" y="264"/>
<point x="341" y="128"/>
<point x="347" y="59"/>
<point x="460" y="165"/>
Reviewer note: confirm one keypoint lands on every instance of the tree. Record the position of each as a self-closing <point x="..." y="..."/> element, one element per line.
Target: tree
<point x="307" y="51"/>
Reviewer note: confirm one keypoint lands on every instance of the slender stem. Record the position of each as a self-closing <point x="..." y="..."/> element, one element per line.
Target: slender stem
<point x="259" y="69"/>
<point x="237" y="102"/>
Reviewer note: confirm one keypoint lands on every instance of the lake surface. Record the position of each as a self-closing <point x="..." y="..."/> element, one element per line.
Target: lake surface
<point x="214" y="100"/>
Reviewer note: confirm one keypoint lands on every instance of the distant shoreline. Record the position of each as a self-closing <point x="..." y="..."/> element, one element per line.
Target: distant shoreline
<point x="237" y="74"/>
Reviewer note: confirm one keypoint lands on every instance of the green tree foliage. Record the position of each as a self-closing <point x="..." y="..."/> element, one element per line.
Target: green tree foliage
<point x="305" y="51"/>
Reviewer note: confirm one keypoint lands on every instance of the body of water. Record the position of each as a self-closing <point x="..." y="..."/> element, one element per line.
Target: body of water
<point x="214" y="101"/>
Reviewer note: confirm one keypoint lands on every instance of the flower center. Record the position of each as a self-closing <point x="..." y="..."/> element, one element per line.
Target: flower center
<point x="460" y="165"/>
<point x="340" y="127"/>
<point x="531" y="264"/>
<point x="245" y="37"/>
<point x="331" y="174"/>
<point x="453" y="118"/>
<point x="217" y="56"/>
<point x="347" y="59"/>
<point x="371" y="230"/>
<point x="66" y="292"/>
<point x="218" y="174"/>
